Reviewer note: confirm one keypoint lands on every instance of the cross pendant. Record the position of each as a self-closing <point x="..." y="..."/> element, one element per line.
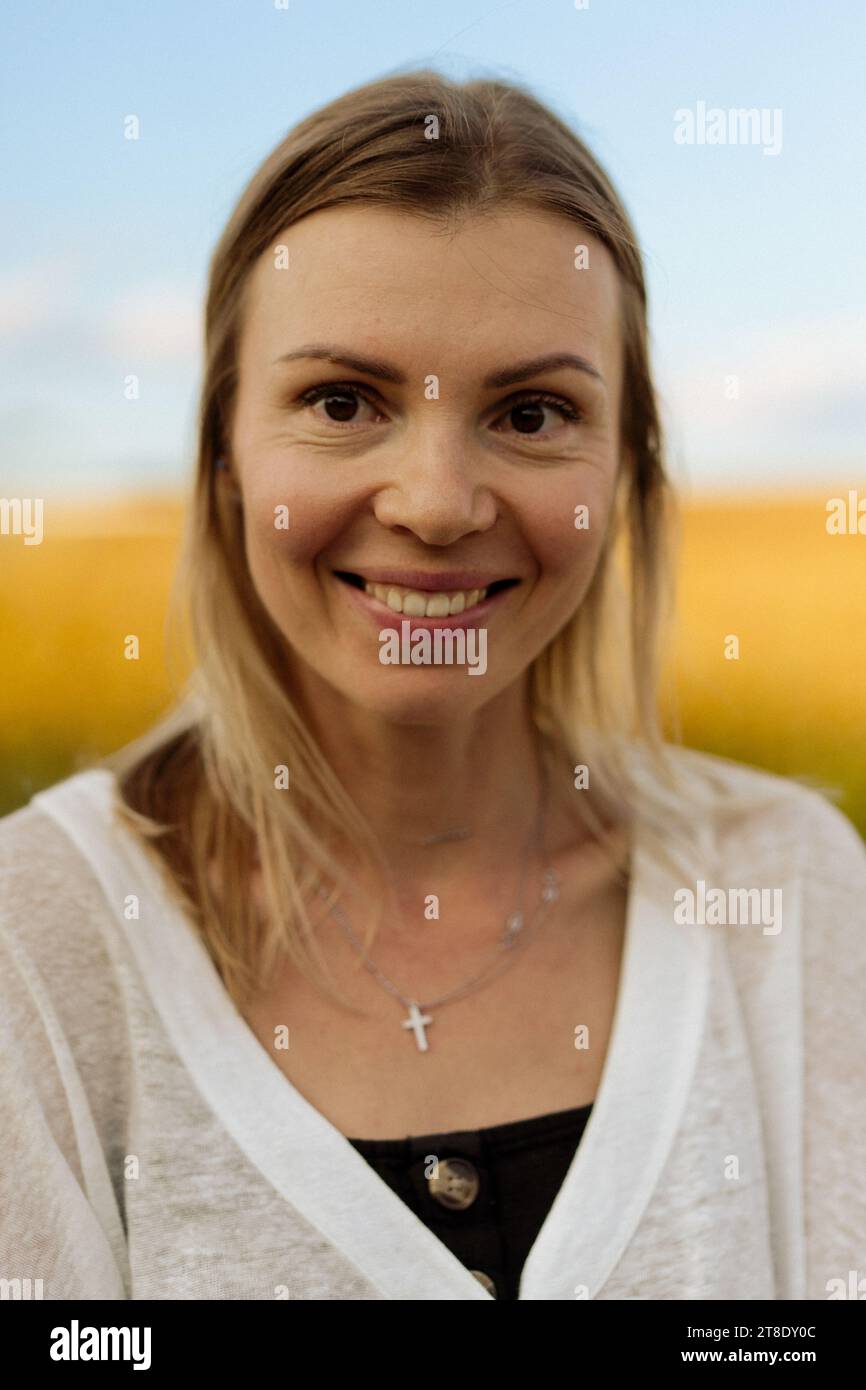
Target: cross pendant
<point x="416" y="1022"/>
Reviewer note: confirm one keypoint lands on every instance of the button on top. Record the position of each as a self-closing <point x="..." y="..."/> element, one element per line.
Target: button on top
<point x="485" y="1280"/>
<point x="456" y="1184"/>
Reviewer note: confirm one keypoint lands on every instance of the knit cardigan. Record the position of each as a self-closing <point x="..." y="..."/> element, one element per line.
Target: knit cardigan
<point x="151" y="1149"/>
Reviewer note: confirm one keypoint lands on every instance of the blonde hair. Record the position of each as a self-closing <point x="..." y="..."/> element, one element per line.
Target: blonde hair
<point x="200" y="786"/>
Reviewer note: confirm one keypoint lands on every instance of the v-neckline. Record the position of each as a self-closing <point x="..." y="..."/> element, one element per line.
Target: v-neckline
<point x="652" y="1050"/>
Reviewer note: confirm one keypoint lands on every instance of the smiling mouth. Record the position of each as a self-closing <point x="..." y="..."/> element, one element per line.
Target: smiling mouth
<point x="415" y="603"/>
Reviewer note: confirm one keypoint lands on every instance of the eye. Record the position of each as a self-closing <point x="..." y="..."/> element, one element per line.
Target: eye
<point x="526" y="413"/>
<point x="345" y="403"/>
<point x="340" y="403"/>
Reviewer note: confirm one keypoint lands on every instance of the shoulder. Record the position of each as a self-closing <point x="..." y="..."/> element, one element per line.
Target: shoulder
<point x="40" y="857"/>
<point x="57" y="929"/>
<point x="786" y="845"/>
<point x="66" y="988"/>
<point x="65" y="1052"/>
<point x="38" y="861"/>
<point x="761" y="819"/>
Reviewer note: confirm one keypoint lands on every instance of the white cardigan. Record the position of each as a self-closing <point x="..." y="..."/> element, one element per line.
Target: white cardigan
<point x="151" y="1149"/>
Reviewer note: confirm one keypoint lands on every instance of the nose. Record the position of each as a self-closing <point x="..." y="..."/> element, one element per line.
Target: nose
<point x="436" y="490"/>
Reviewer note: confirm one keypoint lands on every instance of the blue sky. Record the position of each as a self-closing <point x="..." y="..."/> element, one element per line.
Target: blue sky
<point x="755" y="261"/>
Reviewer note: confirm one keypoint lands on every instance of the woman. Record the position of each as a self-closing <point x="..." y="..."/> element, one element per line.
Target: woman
<point x="407" y="960"/>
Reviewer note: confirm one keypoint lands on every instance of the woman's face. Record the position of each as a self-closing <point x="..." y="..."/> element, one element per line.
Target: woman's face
<point x="394" y="427"/>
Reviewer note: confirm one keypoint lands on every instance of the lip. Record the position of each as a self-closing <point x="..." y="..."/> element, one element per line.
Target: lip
<point x="382" y="616"/>
<point x="429" y="581"/>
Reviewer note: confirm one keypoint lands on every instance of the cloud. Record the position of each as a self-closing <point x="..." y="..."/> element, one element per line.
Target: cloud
<point x="782" y="376"/>
<point x="31" y="300"/>
<point x="47" y="315"/>
<point x="155" y="324"/>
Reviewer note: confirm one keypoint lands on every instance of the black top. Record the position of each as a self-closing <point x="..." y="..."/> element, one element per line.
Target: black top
<point x="484" y="1193"/>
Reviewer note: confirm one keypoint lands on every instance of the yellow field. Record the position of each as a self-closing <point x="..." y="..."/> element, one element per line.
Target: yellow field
<point x="764" y="571"/>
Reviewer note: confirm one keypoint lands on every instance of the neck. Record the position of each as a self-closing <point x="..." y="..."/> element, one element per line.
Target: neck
<point x="416" y="785"/>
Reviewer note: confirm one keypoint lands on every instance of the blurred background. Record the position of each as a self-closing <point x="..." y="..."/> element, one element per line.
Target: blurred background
<point x="128" y="132"/>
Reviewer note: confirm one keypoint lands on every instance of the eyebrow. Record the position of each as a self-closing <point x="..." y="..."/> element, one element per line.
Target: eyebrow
<point x="504" y="376"/>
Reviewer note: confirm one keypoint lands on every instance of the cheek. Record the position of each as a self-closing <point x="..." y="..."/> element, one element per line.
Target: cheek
<point x="568" y="527"/>
<point x="281" y="539"/>
<point x="288" y="521"/>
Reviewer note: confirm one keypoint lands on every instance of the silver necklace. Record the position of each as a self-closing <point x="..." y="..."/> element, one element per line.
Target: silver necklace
<point x="419" y="1016"/>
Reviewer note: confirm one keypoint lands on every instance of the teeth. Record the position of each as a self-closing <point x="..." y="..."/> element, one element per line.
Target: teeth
<point x="414" y="604"/>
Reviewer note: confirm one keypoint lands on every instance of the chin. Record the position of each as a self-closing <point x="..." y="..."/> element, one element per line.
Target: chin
<point x="422" y="698"/>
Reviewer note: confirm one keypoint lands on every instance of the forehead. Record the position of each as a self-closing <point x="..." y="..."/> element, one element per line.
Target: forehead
<point x="504" y="284"/>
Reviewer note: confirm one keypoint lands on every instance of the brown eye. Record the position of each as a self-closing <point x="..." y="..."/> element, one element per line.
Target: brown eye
<point x="528" y="417"/>
<point x="340" y="405"/>
<point x="527" y="414"/>
<point x="337" y="403"/>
